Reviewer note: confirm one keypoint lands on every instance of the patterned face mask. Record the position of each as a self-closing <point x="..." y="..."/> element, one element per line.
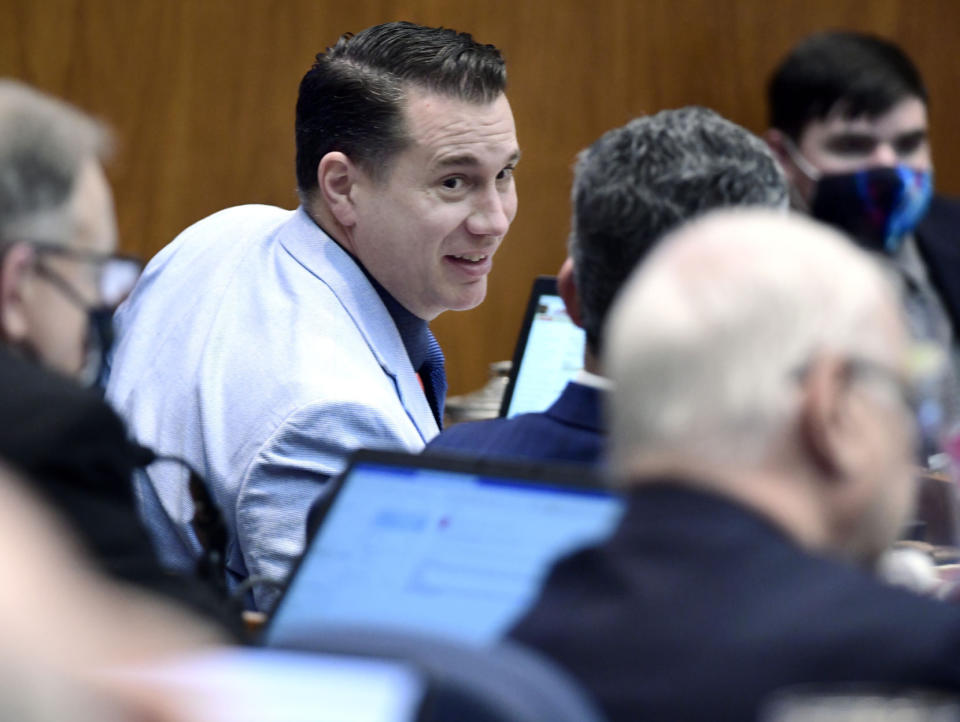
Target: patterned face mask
<point x="879" y="207"/>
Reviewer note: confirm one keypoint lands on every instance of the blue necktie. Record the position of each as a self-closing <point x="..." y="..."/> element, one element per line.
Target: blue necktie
<point x="433" y="376"/>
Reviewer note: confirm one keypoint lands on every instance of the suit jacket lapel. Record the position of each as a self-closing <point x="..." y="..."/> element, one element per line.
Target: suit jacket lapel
<point x="306" y="242"/>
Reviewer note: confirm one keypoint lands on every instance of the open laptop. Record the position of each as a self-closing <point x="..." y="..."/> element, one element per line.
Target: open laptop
<point x="549" y="352"/>
<point x="452" y="547"/>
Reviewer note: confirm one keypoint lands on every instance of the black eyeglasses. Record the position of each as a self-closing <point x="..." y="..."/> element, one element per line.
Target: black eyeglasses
<point x="116" y="274"/>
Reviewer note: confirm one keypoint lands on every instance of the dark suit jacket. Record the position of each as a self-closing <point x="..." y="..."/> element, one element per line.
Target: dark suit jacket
<point x="696" y="609"/>
<point x="938" y="239"/>
<point x="73" y="451"/>
<point x="571" y="430"/>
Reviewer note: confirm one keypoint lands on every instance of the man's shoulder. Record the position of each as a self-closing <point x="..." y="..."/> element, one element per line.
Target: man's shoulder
<point x="210" y="242"/>
<point x="743" y="635"/>
<point x="854" y="626"/>
<point x="477" y="435"/>
<point x="297" y="269"/>
<point x="536" y="435"/>
<point x="941" y="204"/>
<point x="722" y="550"/>
<point x="208" y="252"/>
<point x="788" y="617"/>
<point x="941" y="221"/>
<point x="228" y="288"/>
<point x="247" y="216"/>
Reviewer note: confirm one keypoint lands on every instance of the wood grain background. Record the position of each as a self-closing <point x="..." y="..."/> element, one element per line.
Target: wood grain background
<point x="201" y="95"/>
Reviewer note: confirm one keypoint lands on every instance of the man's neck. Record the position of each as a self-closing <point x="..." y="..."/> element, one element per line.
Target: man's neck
<point x="590" y="362"/>
<point x="326" y="222"/>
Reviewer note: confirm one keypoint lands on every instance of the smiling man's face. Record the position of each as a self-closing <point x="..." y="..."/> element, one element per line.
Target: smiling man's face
<point x="428" y="231"/>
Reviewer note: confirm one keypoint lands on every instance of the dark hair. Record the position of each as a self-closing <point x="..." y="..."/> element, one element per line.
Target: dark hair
<point x="641" y="180"/>
<point x="351" y="99"/>
<point x="856" y="73"/>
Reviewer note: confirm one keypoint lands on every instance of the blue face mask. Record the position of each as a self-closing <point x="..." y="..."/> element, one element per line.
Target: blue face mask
<point x="879" y="207"/>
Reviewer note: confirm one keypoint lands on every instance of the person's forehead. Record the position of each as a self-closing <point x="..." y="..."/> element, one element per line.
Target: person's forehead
<point x="907" y="116"/>
<point x="447" y="130"/>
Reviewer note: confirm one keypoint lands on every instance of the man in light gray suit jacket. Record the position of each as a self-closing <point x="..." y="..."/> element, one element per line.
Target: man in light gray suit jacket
<point x="264" y="345"/>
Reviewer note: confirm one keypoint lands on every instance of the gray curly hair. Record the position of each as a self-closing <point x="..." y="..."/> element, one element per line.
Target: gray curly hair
<point x="637" y="182"/>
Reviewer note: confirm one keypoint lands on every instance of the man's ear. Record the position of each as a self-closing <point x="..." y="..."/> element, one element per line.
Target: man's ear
<point x="825" y="424"/>
<point x="15" y="266"/>
<point x="567" y="288"/>
<point x="336" y="177"/>
<point x="801" y="187"/>
<point x="776" y="141"/>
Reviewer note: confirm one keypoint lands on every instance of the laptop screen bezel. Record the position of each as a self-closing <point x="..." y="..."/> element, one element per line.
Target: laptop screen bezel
<point x="542" y="286"/>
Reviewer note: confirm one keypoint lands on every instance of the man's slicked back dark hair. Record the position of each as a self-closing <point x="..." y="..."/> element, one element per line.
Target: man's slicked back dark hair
<point x="855" y="73"/>
<point x="351" y="99"/>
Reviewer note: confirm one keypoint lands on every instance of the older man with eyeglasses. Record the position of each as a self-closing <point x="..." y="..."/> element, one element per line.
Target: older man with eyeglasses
<point x="60" y="279"/>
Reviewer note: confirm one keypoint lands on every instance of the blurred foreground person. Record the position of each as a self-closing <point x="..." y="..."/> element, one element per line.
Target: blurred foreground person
<point x="61" y="624"/>
<point x="763" y="428"/>
<point x="59" y="282"/>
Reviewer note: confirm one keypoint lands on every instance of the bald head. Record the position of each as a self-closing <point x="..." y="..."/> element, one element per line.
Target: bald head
<point x="708" y="338"/>
<point x="763" y="356"/>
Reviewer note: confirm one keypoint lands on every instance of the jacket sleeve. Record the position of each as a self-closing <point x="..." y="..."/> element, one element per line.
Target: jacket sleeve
<point x="290" y="472"/>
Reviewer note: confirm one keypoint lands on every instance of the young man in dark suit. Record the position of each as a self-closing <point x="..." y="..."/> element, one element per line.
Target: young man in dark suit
<point x="630" y="187"/>
<point x="763" y="432"/>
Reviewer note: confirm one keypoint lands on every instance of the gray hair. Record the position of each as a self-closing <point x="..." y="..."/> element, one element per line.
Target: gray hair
<point x="708" y="339"/>
<point x="44" y="144"/>
<point x="641" y="180"/>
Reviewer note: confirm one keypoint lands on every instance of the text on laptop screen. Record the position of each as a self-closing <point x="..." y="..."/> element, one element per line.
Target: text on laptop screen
<point x="443" y="552"/>
<point x="552" y="356"/>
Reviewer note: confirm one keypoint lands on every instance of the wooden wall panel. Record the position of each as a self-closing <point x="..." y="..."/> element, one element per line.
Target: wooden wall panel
<point x="201" y="94"/>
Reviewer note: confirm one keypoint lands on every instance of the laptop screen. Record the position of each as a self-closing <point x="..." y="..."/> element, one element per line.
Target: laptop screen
<point x="549" y="352"/>
<point x="422" y="545"/>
